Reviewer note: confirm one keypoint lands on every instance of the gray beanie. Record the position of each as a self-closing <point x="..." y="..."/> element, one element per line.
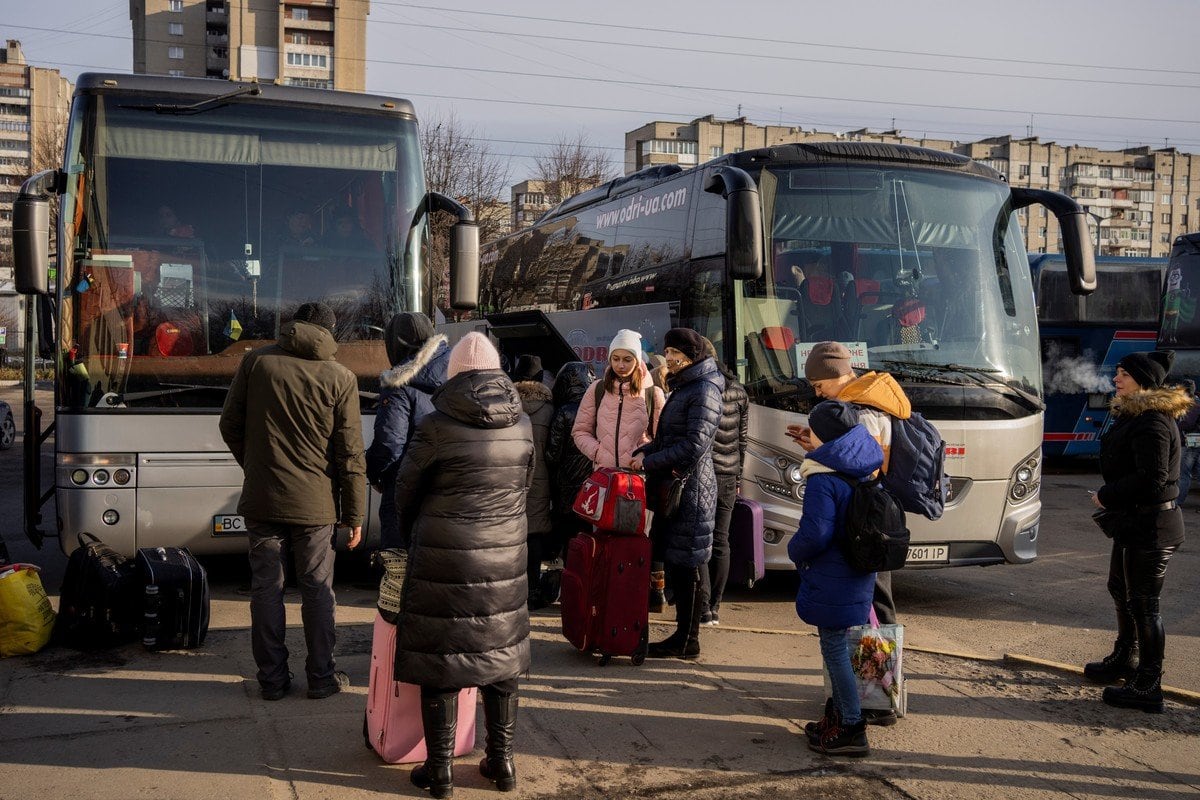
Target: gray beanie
<point x="826" y="361"/>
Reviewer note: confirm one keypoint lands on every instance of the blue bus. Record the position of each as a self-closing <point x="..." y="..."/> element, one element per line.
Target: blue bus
<point x="1083" y="338"/>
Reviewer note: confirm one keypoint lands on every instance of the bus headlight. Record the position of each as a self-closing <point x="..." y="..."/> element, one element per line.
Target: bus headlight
<point x="1026" y="478"/>
<point x="110" y="517"/>
<point x="79" y="477"/>
<point x="793" y="474"/>
<point x="100" y="476"/>
<point x="121" y="477"/>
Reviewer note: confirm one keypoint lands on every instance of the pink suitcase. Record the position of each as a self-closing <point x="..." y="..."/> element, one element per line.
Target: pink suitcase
<point x="392" y="724"/>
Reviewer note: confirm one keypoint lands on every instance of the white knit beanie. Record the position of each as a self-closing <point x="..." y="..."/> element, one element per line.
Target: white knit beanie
<point x="627" y="340"/>
<point x="474" y="351"/>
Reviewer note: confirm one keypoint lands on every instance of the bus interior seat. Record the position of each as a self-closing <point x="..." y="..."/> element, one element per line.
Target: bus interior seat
<point x="768" y="364"/>
<point x="817" y="309"/>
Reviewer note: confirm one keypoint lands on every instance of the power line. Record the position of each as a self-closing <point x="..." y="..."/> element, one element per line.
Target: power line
<point x="797" y="59"/>
<point x="732" y="91"/>
<point x="789" y="42"/>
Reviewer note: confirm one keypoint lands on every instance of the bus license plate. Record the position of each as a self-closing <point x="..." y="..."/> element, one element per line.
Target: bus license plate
<point x="235" y="525"/>
<point x="928" y="553"/>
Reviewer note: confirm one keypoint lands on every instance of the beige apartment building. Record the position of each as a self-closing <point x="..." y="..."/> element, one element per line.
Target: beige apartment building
<point x="316" y="43"/>
<point x="528" y="203"/>
<point x="34" y="103"/>
<point x="1138" y="199"/>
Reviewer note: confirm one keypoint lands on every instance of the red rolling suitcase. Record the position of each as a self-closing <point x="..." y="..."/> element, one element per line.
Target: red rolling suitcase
<point x="746" y="565"/>
<point x="606" y="595"/>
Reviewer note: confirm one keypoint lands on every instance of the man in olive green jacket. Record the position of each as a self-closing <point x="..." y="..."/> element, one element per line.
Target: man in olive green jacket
<point x="292" y="421"/>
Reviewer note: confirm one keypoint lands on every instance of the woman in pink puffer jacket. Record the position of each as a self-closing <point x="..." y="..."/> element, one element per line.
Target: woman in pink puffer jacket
<point x="608" y="435"/>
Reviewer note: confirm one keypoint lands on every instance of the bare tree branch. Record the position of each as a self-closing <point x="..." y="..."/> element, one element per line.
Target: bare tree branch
<point x="570" y="166"/>
<point x="459" y="163"/>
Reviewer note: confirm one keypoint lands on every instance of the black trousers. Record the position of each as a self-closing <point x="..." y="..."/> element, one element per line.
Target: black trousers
<point x="1135" y="581"/>
<point x="718" y="565"/>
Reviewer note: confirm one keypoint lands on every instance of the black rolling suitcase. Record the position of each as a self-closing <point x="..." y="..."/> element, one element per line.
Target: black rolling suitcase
<point x="176" y="598"/>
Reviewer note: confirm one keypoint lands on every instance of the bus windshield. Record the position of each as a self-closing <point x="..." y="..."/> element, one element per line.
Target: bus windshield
<point x="922" y="273"/>
<point x="191" y="237"/>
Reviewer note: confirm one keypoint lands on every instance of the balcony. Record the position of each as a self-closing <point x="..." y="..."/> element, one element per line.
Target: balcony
<point x="217" y="40"/>
<point x="290" y="24"/>
<point x="217" y="19"/>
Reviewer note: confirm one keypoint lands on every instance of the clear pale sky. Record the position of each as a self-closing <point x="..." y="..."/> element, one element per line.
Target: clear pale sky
<point x="1108" y="73"/>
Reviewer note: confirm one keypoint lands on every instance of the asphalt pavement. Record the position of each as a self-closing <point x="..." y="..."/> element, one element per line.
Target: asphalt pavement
<point x="126" y="723"/>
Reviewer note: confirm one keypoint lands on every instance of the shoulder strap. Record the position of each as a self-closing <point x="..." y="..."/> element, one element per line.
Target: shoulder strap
<point x="597" y="396"/>
<point x="650" y="408"/>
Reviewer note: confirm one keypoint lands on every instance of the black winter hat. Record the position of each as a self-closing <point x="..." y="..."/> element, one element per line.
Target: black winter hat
<point x="686" y="341"/>
<point x="528" y="368"/>
<point x="829" y="419"/>
<point x="404" y="335"/>
<point x="1148" y="369"/>
<point x="316" y="314"/>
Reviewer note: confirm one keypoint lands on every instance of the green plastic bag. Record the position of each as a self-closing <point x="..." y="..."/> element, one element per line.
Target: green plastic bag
<point x="26" y="616"/>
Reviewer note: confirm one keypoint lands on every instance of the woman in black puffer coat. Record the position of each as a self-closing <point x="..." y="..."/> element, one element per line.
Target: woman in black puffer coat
<point x="460" y="497"/>
<point x="569" y="468"/>
<point x="683" y="446"/>
<point x="1139" y="461"/>
<point x="728" y="453"/>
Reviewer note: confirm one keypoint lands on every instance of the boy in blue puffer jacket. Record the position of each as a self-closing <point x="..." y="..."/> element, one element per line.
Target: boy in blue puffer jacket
<point x="834" y="596"/>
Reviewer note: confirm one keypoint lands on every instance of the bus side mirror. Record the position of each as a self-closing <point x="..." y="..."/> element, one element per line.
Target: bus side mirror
<point x="464" y="252"/>
<point x="31" y="244"/>
<point x="464" y="266"/>
<point x="1077" y="241"/>
<point x="743" y="221"/>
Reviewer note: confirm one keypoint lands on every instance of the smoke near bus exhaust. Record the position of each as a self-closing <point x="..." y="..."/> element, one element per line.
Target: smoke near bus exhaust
<point x="1068" y="374"/>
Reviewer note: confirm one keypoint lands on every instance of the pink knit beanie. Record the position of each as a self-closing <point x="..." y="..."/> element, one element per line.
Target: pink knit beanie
<point x="474" y="351"/>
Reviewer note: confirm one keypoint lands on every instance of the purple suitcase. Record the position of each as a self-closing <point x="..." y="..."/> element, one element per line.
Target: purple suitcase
<point x="746" y="543"/>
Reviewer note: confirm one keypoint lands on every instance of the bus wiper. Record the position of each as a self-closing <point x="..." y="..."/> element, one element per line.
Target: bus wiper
<point x="983" y="377"/>
<point x="198" y="107"/>
<point x="114" y="400"/>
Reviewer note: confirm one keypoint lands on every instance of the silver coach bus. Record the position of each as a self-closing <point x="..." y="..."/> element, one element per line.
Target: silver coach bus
<point x="195" y="216"/>
<point x="912" y="257"/>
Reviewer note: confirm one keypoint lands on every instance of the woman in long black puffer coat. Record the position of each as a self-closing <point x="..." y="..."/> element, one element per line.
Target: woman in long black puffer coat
<point x="460" y="496"/>
<point x="682" y="446"/>
<point x="1139" y="461"/>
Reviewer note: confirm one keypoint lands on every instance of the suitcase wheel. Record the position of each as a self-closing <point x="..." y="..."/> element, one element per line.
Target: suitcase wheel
<point x="604" y="659"/>
<point x="366" y="733"/>
<point x="750" y="571"/>
<point x="638" y="659"/>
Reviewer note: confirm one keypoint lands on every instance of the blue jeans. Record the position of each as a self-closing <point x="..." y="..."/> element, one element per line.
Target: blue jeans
<point x="1188" y="462"/>
<point x="841" y="675"/>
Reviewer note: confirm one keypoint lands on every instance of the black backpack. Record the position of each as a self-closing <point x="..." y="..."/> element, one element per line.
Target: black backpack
<point x="916" y="473"/>
<point x="875" y="535"/>
<point x="100" y="604"/>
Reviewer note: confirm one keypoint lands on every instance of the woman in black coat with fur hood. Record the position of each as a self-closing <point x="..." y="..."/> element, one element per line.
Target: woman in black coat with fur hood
<point x="1139" y="461"/>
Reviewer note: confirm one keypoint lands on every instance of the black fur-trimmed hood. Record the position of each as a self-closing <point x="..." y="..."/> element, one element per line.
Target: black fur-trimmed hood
<point x="1174" y="401"/>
